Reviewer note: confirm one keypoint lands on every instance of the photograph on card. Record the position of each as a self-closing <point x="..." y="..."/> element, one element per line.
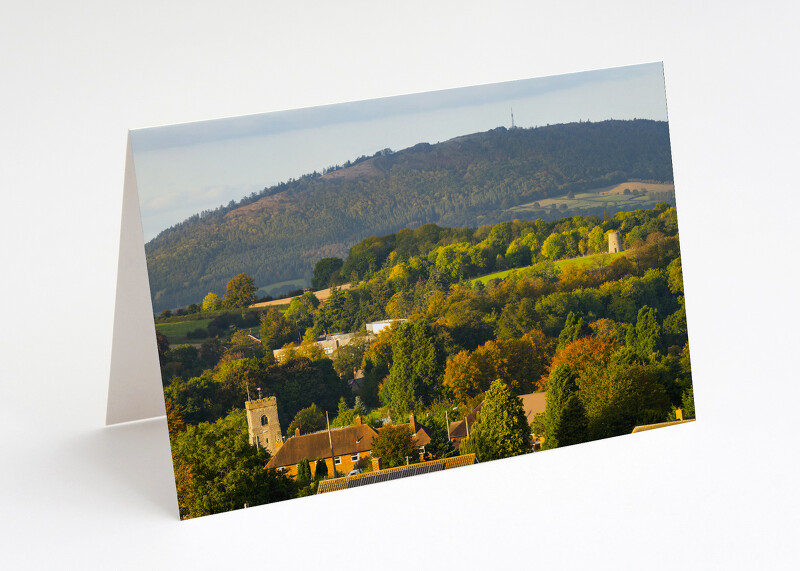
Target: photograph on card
<point x="349" y="294"/>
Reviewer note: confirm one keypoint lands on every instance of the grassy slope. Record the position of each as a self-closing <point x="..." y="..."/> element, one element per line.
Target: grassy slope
<point x="561" y="264"/>
<point x="176" y="331"/>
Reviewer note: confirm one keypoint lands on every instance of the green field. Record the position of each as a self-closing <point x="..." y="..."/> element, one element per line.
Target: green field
<point x="610" y="197"/>
<point x="600" y="259"/>
<point x="281" y="287"/>
<point x="176" y="331"/>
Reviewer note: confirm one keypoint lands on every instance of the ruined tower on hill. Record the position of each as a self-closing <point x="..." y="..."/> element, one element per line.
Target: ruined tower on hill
<point x="263" y="425"/>
<point x="614" y="243"/>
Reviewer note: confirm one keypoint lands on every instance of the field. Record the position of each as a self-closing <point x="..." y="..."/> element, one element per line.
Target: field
<point x="582" y="261"/>
<point x="322" y="295"/>
<point x="640" y="195"/>
<point x="281" y="287"/>
<point x="176" y="331"/>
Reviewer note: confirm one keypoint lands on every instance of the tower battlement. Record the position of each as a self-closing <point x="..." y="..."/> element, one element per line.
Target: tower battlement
<point x="260" y="403"/>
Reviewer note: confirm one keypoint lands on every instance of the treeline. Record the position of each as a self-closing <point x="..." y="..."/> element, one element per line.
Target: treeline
<point x="280" y="233"/>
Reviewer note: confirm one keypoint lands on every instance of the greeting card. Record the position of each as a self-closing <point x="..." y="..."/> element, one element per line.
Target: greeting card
<point x="349" y="294"/>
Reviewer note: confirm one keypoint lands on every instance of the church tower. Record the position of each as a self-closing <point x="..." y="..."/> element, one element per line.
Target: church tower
<point x="262" y="423"/>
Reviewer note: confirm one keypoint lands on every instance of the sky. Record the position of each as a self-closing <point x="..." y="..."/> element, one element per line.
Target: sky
<point x="184" y="169"/>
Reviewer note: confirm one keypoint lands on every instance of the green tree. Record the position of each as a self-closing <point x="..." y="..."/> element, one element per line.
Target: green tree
<point x="344" y="416"/>
<point x="320" y="469"/>
<point x="325" y="271"/>
<point x="554" y="246"/>
<point x="348" y="358"/>
<point x="564" y="417"/>
<point x="418" y="364"/>
<point x="573" y="329"/>
<point x="276" y="330"/>
<point x="227" y="472"/>
<point x="240" y="291"/>
<point x="394" y="445"/>
<point x="301" y="311"/>
<point x="303" y="477"/>
<point x="309" y="419"/>
<point x="211" y="302"/>
<point x="645" y="339"/>
<point x="501" y="429"/>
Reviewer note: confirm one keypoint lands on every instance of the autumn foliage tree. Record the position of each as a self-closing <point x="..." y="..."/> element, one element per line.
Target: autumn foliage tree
<point x="211" y="302"/>
<point x="240" y="292"/>
<point x="519" y="362"/>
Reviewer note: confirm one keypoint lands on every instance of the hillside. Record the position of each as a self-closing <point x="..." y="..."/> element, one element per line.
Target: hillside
<point x="280" y="233"/>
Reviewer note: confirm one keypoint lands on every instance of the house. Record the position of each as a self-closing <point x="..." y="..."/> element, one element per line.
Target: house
<point x="376" y="327"/>
<point x="350" y="445"/>
<point x="422" y="436"/>
<point x="328" y="344"/>
<point x="459" y="429"/>
<point x="378" y="475"/>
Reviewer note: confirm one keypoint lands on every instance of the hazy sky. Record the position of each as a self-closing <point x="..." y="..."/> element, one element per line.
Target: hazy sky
<point x="183" y="169"/>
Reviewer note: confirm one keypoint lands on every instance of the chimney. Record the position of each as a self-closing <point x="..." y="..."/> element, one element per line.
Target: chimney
<point x="376" y="464"/>
<point x="413" y="422"/>
<point x="297" y="432"/>
<point x="358" y="420"/>
<point x="678" y="414"/>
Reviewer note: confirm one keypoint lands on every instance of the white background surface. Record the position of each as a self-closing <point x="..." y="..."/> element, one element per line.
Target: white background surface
<point x="719" y="493"/>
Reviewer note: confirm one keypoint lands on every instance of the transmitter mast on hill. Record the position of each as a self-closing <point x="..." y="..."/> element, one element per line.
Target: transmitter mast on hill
<point x="512" y="119"/>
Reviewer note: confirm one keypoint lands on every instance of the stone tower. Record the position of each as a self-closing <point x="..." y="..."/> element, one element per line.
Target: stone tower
<point x="613" y="243"/>
<point x="263" y="425"/>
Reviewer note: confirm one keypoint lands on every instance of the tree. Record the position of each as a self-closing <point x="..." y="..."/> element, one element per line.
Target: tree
<point x="301" y="311"/>
<point x="645" y="338"/>
<point x="162" y="343"/>
<point x="501" y="429"/>
<point x="394" y="445"/>
<point x="348" y="358"/>
<point x="276" y="330"/>
<point x="573" y="330"/>
<point x="518" y="362"/>
<point x="211" y="302"/>
<point x="240" y="291"/>
<point x="309" y="419"/>
<point x="564" y="417"/>
<point x="303" y="477"/>
<point x="554" y="246"/>
<point x="320" y="469"/>
<point x="344" y="416"/>
<point x="226" y="471"/>
<point x="415" y="377"/>
<point x="325" y="271"/>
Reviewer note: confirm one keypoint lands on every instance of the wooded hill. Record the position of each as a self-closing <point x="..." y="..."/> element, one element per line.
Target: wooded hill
<point x="280" y="233"/>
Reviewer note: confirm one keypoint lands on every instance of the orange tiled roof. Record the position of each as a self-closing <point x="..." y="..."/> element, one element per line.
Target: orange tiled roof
<point x="347" y="440"/>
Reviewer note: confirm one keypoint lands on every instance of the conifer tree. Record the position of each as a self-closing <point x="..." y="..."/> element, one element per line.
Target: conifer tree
<point x="303" y="477"/>
<point x="645" y="338"/>
<point x="564" y="417"/>
<point x="320" y="469"/>
<point x="501" y="429"/>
